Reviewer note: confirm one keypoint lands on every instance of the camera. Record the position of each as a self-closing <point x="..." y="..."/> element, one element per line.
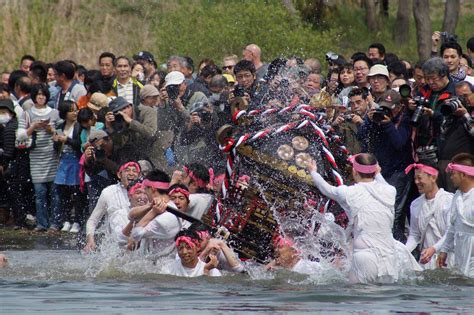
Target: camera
<point x="99" y="153"/>
<point x="428" y="154"/>
<point x="239" y="91"/>
<point x="446" y="37"/>
<point x="119" y="123"/>
<point x="331" y="56"/>
<point x="421" y="103"/>
<point x="450" y="105"/>
<point x="348" y="117"/>
<point x="380" y="114"/>
<point x="199" y="108"/>
<point x="173" y="92"/>
<point x="405" y="91"/>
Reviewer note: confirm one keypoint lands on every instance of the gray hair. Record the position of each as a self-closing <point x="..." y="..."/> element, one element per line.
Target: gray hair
<point x="436" y="66"/>
<point x="218" y="81"/>
<point x="461" y="84"/>
<point x="182" y="61"/>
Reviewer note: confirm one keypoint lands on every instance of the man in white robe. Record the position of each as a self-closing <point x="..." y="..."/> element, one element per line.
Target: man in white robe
<point x="460" y="235"/>
<point x="370" y="205"/>
<point x="112" y="198"/>
<point x="429" y="214"/>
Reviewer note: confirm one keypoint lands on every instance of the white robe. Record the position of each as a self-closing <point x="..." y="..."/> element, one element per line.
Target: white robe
<point x="112" y="198"/>
<point x="460" y="235"/>
<point x="377" y="256"/>
<point x="307" y="267"/>
<point x="157" y="237"/>
<point x="431" y="218"/>
<point x="176" y="268"/>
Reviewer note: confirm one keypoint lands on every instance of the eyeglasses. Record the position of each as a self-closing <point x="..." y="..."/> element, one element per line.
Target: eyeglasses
<point x="227" y="67"/>
<point x="360" y="69"/>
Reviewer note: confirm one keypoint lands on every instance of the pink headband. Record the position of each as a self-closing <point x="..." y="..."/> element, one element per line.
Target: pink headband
<point x="364" y="169"/>
<point x="128" y="164"/>
<point x="199" y="182"/>
<point x="156" y="185"/>
<point x="186" y="239"/>
<point x="203" y="235"/>
<point x="281" y="241"/>
<point x="468" y="170"/>
<point x="135" y="187"/>
<point x="422" y="167"/>
<point x="179" y="190"/>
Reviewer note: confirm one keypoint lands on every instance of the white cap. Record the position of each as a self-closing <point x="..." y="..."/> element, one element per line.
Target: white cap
<point x="174" y="78"/>
<point x="379" y="70"/>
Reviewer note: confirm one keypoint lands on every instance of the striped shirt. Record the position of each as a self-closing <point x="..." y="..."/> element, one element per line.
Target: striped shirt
<point x="125" y="90"/>
<point x="43" y="156"/>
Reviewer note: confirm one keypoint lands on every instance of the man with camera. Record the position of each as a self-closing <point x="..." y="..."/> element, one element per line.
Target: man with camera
<point x="387" y="132"/>
<point x="248" y="89"/>
<point x="457" y="129"/>
<point x="349" y="122"/>
<point x="131" y="130"/>
<point x="425" y="109"/>
<point x="99" y="165"/>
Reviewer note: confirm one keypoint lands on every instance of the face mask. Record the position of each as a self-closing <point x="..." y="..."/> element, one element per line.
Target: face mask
<point x="140" y="76"/>
<point x="215" y="97"/>
<point x="5" y="118"/>
<point x="396" y="89"/>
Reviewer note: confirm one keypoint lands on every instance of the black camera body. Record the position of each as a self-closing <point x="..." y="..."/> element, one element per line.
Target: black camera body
<point x="447" y="38"/>
<point x="119" y="123"/>
<point x="173" y="92"/>
<point x="380" y="114"/>
<point x="348" y="117"/>
<point x="421" y="103"/>
<point x="99" y="153"/>
<point x="449" y="106"/>
<point x="239" y="91"/>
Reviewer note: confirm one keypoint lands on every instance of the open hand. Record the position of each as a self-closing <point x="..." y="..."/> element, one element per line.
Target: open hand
<point x="311" y="166"/>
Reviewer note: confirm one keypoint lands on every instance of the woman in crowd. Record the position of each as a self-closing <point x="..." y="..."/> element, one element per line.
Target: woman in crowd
<point x="37" y="127"/>
<point x="369" y="203"/>
<point x="68" y="144"/>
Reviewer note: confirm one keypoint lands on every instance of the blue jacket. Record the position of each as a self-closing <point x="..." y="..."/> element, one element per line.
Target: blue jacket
<point x="390" y="143"/>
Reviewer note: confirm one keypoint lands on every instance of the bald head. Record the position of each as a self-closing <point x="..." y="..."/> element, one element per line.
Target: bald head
<point x="252" y="53"/>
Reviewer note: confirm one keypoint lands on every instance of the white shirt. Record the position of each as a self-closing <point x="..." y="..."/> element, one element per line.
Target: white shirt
<point x="460" y="235"/>
<point x="112" y="198"/>
<point x="157" y="237"/>
<point x="125" y="90"/>
<point x="307" y="267"/>
<point x="176" y="268"/>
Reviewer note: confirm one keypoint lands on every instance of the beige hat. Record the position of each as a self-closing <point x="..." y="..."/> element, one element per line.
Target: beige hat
<point x="98" y="101"/>
<point x="379" y="70"/>
<point x="148" y="90"/>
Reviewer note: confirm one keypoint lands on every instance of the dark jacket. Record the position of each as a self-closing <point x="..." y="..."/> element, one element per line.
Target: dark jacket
<point x="429" y="130"/>
<point x="389" y="142"/>
<point x="7" y="142"/>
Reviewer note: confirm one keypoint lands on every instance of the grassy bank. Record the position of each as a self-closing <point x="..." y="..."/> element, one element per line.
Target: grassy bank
<point x="81" y="29"/>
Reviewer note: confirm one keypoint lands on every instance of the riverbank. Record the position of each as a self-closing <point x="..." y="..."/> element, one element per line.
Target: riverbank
<point x="23" y="239"/>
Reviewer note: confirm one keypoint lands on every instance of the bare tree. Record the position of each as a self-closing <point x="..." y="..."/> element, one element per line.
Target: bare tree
<point x="402" y="25"/>
<point x="451" y="15"/>
<point x="370" y="12"/>
<point x="421" y="11"/>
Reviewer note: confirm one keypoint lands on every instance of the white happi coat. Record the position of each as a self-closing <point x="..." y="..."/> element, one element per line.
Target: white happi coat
<point x="157" y="237"/>
<point x="377" y="256"/>
<point x="460" y="235"/>
<point x="429" y="221"/>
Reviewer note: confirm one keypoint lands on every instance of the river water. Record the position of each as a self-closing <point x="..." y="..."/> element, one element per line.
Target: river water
<point x="65" y="282"/>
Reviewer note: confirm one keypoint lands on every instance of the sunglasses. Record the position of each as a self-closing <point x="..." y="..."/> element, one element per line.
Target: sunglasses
<point x="227" y="67"/>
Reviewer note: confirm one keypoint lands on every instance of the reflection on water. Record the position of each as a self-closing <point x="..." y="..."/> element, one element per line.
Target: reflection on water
<point x="59" y="282"/>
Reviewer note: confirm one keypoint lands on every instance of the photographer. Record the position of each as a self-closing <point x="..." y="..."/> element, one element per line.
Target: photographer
<point x="219" y="87"/>
<point x="198" y="138"/>
<point x="457" y="130"/>
<point x="98" y="164"/>
<point x="387" y="132"/>
<point x="131" y="130"/>
<point x="247" y="87"/>
<point x="437" y="89"/>
<point x="349" y="122"/>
